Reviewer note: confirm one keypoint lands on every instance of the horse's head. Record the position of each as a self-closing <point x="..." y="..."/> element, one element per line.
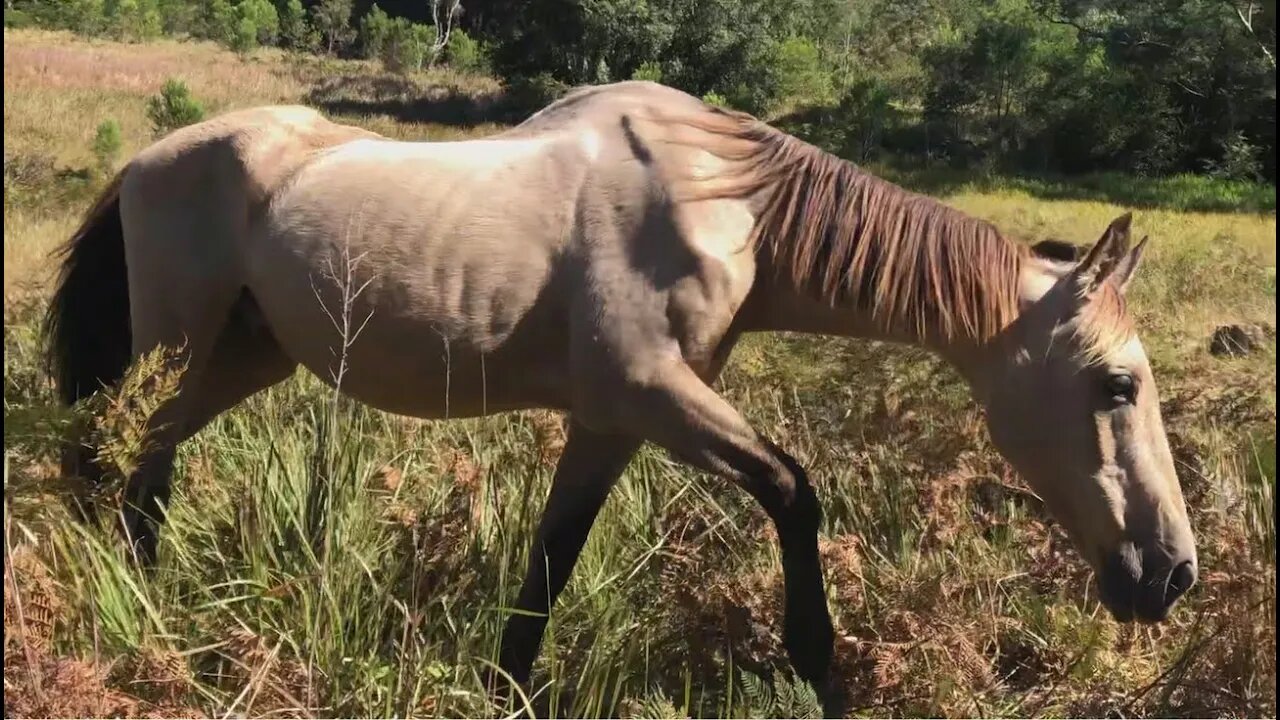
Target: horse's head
<point x="1072" y="404"/>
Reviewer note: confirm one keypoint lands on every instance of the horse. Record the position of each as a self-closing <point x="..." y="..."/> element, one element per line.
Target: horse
<point x="601" y="259"/>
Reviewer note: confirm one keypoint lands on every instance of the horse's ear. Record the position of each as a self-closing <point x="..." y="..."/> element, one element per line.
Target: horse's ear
<point x="1105" y="254"/>
<point x="1123" y="271"/>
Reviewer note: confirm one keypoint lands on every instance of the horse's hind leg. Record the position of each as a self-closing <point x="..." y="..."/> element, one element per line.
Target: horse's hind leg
<point x="243" y="359"/>
<point x="246" y="359"/>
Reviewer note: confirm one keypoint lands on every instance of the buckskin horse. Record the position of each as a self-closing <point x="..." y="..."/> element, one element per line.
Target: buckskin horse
<point x="602" y="258"/>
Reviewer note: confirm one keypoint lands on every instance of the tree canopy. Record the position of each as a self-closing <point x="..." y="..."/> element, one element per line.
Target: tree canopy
<point x="1066" y="86"/>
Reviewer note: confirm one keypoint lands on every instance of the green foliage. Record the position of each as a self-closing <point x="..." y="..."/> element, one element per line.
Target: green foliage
<point x="375" y="29"/>
<point x="1239" y="160"/>
<point x="134" y="20"/>
<point x="400" y="45"/>
<point x="17" y="18"/>
<point x="788" y="698"/>
<point x="221" y="23"/>
<point x="245" y="37"/>
<point x="179" y="17"/>
<point x="798" y="76"/>
<point x="650" y="71"/>
<point x="716" y="99"/>
<point x="332" y="20"/>
<point x="1061" y="86"/>
<point x="173" y="107"/>
<point x="295" y="31"/>
<point x="465" y="53"/>
<point x="262" y="17"/>
<point x="106" y="145"/>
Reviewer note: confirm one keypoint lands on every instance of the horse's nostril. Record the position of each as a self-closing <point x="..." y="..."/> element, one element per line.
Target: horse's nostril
<point x="1180" y="581"/>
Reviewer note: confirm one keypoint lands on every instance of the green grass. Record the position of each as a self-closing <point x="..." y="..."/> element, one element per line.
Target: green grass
<point x="1188" y="193"/>
<point x="325" y="559"/>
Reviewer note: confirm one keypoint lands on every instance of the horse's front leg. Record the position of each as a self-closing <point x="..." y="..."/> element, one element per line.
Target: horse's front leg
<point x="674" y="408"/>
<point x="589" y="466"/>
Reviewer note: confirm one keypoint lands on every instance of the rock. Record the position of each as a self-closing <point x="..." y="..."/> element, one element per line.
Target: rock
<point x="1238" y="339"/>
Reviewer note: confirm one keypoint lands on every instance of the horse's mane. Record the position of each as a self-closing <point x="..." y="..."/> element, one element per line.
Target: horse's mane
<point x="845" y="235"/>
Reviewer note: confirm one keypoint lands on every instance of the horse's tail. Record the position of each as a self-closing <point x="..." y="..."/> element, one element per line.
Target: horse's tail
<point x="87" y="329"/>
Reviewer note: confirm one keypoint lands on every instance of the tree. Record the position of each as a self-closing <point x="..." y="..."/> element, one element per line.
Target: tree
<point x="220" y="21"/>
<point x="260" y="20"/>
<point x="179" y="17"/>
<point x="375" y="29"/>
<point x="443" y="15"/>
<point x="332" y="19"/>
<point x="295" y="33"/>
<point x="134" y="20"/>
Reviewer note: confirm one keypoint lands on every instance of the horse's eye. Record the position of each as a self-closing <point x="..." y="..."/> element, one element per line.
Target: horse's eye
<point x="1121" y="387"/>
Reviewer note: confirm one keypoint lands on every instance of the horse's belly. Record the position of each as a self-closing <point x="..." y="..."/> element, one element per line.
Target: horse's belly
<point x="413" y="369"/>
<point x="411" y="339"/>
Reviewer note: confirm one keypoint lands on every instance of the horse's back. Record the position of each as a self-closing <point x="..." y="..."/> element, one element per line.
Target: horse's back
<point x="468" y="268"/>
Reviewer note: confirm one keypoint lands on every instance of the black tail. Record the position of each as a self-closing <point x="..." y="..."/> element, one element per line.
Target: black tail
<point x="88" y="335"/>
<point x="87" y="329"/>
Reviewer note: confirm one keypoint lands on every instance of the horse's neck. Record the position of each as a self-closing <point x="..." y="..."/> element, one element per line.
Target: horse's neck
<point x="778" y="304"/>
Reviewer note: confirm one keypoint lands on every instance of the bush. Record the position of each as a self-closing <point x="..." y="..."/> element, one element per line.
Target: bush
<point x="466" y="54"/>
<point x="295" y="33"/>
<point x="262" y="16"/>
<point x="1239" y="160"/>
<point x="173" y="108"/>
<point x="15" y="18"/>
<point x="332" y="20"/>
<point x="135" y="20"/>
<point x="245" y="38"/>
<point x="220" y="22"/>
<point x="400" y="45"/>
<point x="715" y="99"/>
<point x="106" y="145"/>
<point x="529" y="94"/>
<point x="650" y="71"/>
<point x="375" y="28"/>
<point x="179" y="17"/>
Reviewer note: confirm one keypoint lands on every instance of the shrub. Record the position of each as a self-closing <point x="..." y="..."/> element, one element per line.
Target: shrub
<point x="375" y="28"/>
<point x="650" y="71"/>
<point x="220" y="22"/>
<point x="245" y="38"/>
<point x="135" y="20"/>
<point x="528" y="94"/>
<point x="15" y="18"/>
<point x="400" y="45"/>
<point x="173" y="108"/>
<point x="332" y="19"/>
<point x="465" y="53"/>
<point x="179" y="17"/>
<point x="106" y="145"/>
<point x="295" y="32"/>
<point x="1239" y="160"/>
<point x="262" y="15"/>
<point x="715" y="99"/>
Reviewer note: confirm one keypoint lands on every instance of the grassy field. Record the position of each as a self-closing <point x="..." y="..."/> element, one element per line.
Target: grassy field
<point x="324" y="559"/>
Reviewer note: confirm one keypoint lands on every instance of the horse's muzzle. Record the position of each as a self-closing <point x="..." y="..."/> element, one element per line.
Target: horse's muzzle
<point x="1145" y="589"/>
